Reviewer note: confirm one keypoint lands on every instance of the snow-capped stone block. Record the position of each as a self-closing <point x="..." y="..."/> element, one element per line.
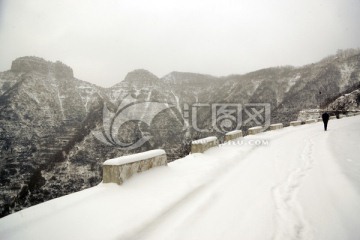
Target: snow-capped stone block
<point x="233" y="135"/>
<point x="276" y="126"/>
<point x="117" y="170"/>
<point x="295" y="123"/>
<point x="203" y="144"/>
<point x="310" y="121"/>
<point x="319" y="119"/>
<point x="255" y="130"/>
<point x="332" y="117"/>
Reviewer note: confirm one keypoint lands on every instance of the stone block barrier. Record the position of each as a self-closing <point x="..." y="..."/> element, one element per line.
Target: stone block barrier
<point x="255" y="130"/>
<point x="233" y="135"/>
<point x="119" y="169"/>
<point x="309" y="121"/>
<point x="295" y="123"/>
<point x="276" y="126"/>
<point x="332" y="117"/>
<point x="203" y="144"/>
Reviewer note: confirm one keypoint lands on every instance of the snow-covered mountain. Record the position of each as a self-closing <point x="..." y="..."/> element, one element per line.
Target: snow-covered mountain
<point x="48" y="117"/>
<point x="43" y="111"/>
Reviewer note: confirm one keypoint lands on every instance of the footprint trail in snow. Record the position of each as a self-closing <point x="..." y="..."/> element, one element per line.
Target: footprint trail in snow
<point x="290" y="223"/>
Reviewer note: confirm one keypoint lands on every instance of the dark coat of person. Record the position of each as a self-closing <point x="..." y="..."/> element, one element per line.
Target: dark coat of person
<point x="325" y="117"/>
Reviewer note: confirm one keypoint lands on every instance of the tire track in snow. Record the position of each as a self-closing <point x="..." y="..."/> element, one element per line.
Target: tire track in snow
<point x="290" y="223"/>
<point x="193" y="201"/>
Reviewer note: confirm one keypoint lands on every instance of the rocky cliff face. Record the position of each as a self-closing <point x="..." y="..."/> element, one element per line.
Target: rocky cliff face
<point x="39" y="65"/>
<point x="348" y="102"/>
<point x="48" y="118"/>
<point x="42" y="110"/>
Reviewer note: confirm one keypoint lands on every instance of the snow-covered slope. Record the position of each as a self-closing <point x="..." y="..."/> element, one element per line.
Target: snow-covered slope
<point x="295" y="183"/>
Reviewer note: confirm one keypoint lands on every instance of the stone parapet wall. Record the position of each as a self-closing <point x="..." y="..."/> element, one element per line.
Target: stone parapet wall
<point x="309" y="121"/>
<point x="117" y="170"/>
<point x="276" y="126"/>
<point x="233" y="135"/>
<point x="201" y="145"/>
<point x="295" y="123"/>
<point x="255" y="130"/>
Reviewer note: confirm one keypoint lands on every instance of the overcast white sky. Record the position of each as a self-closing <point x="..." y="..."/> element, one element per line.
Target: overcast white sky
<point x="103" y="40"/>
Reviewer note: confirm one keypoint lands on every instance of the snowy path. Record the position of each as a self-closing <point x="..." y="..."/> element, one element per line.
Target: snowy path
<point x="289" y="219"/>
<point x="259" y="199"/>
<point x="305" y="184"/>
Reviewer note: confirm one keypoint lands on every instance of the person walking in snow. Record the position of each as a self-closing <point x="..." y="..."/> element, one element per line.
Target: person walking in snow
<point x="325" y="117"/>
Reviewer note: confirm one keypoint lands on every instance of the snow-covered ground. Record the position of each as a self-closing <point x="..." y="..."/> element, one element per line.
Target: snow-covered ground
<point x="299" y="183"/>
